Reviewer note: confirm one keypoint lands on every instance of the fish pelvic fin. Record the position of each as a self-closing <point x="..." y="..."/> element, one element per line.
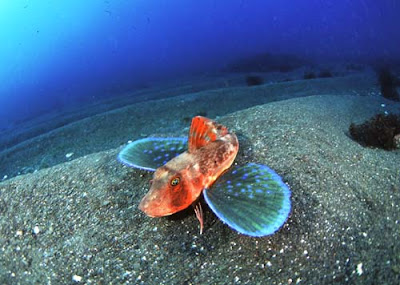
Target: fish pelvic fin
<point x="199" y="215"/>
<point x="203" y="131"/>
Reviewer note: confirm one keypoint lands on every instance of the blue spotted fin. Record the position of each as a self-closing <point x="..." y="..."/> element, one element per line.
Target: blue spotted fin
<point x="151" y="153"/>
<point x="252" y="199"/>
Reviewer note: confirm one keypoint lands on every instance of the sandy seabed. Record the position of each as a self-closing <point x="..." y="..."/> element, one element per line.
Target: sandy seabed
<point x="78" y="221"/>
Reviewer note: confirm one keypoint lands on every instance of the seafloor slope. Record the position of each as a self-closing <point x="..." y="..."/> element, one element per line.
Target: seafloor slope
<point x="101" y="130"/>
<point x="79" y="220"/>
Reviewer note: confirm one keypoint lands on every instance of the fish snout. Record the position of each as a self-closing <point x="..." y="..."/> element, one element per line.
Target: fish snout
<point x="145" y="205"/>
<point x="151" y="205"/>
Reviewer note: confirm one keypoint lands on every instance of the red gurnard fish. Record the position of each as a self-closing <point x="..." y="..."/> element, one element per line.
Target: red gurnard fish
<point x="180" y="182"/>
<point x="251" y="198"/>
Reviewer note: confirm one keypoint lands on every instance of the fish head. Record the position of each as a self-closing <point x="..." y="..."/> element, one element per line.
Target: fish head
<point x="169" y="193"/>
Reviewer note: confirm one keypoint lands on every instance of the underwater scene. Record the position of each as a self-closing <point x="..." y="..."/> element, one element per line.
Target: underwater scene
<point x="200" y="142"/>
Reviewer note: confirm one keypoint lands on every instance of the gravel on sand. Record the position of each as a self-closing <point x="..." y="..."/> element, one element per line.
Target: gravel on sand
<point x="78" y="222"/>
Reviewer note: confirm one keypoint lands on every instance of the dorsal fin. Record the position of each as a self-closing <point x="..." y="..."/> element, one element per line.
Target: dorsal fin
<point x="203" y="131"/>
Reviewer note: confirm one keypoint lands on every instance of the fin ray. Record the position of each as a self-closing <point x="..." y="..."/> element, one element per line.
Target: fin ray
<point x="203" y="131"/>
<point x="252" y="199"/>
<point x="151" y="153"/>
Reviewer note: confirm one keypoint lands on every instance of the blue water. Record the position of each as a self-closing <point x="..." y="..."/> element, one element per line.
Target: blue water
<point x="54" y="53"/>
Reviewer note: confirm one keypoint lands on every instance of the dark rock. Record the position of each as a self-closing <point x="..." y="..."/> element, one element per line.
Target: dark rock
<point x="309" y="75"/>
<point x="253" y="80"/>
<point x="267" y="62"/>
<point x="388" y="85"/>
<point x="325" y="74"/>
<point x="381" y="131"/>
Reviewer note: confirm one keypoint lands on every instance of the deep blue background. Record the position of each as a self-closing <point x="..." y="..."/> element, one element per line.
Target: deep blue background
<point x="53" y="53"/>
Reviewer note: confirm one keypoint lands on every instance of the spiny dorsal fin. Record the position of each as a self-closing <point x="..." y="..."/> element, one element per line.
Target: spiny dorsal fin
<point x="203" y="131"/>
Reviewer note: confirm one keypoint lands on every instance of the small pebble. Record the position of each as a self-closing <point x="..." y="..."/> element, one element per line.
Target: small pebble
<point x="77" y="278"/>
<point x="68" y="155"/>
<point x="359" y="269"/>
<point x="36" y="230"/>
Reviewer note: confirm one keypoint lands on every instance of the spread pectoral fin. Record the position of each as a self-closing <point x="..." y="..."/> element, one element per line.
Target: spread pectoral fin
<point x="252" y="199"/>
<point x="151" y="153"/>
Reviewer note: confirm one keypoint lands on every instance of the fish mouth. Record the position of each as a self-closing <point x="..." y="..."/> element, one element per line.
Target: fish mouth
<point x="144" y="207"/>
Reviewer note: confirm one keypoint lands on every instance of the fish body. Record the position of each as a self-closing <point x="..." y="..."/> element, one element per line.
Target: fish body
<point x="180" y="182"/>
<point x="251" y="198"/>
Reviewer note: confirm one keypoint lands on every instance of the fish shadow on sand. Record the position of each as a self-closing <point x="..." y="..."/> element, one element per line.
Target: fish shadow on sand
<point x="246" y="153"/>
<point x="211" y="222"/>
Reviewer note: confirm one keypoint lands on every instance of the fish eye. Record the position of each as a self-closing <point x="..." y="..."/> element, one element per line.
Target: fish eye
<point x="175" y="181"/>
